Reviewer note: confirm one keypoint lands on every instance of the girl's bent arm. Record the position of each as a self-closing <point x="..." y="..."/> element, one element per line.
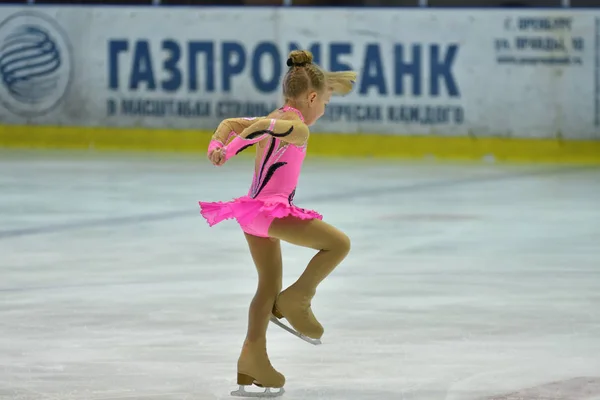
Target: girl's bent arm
<point x="231" y="127"/>
<point x="290" y="131"/>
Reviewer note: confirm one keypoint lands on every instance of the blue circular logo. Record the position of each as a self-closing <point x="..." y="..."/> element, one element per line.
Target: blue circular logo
<point x="35" y="64"/>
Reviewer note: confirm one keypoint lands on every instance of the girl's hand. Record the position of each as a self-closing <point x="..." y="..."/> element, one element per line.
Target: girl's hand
<point x="217" y="157"/>
<point x="215" y="153"/>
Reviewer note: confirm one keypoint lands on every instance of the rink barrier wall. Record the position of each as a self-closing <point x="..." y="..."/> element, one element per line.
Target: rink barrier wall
<point x="518" y="150"/>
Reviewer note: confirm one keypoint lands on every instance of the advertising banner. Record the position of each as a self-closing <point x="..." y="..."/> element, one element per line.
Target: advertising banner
<point x="507" y="73"/>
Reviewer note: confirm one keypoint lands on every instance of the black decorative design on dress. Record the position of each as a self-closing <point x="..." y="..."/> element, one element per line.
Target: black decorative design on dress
<point x="265" y="161"/>
<point x="291" y="196"/>
<point x="256" y="134"/>
<point x="269" y="175"/>
<point x="243" y="148"/>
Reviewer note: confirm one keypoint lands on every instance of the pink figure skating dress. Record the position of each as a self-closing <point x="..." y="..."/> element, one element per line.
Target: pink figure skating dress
<point x="272" y="191"/>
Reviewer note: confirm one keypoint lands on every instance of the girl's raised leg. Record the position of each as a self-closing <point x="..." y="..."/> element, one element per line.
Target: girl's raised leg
<point x="294" y="303"/>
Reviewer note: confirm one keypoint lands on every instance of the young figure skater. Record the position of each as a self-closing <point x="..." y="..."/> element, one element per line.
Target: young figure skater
<point x="267" y="213"/>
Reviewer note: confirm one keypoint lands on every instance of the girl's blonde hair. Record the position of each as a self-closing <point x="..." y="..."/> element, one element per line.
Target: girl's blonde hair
<point x="304" y="75"/>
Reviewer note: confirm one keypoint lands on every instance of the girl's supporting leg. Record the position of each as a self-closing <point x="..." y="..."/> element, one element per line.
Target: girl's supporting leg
<point x="266" y="254"/>
<point x="254" y="364"/>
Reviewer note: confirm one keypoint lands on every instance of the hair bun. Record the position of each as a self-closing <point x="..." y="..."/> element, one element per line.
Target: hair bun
<point x="299" y="58"/>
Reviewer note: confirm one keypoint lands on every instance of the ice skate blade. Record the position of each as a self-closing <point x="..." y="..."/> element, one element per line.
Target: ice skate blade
<point x="280" y="324"/>
<point x="242" y="392"/>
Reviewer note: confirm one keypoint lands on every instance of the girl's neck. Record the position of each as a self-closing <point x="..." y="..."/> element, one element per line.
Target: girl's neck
<point x="291" y="106"/>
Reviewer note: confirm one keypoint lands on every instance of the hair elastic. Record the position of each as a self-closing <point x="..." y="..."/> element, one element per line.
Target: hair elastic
<point x="290" y="63"/>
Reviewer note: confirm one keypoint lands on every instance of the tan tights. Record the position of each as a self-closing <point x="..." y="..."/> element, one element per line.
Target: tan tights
<point x="333" y="246"/>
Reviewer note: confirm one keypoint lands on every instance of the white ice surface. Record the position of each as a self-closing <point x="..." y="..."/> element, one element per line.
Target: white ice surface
<point x="464" y="281"/>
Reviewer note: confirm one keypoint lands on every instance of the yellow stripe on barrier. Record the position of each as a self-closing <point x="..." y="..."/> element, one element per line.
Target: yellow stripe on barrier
<point x="321" y="144"/>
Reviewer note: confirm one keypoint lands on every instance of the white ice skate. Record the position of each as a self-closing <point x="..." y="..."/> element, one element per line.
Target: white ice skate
<point x="294" y="332"/>
<point x="267" y="392"/>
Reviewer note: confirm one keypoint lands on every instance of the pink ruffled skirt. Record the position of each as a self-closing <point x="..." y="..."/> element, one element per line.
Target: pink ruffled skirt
<point x="253" y="215"/>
